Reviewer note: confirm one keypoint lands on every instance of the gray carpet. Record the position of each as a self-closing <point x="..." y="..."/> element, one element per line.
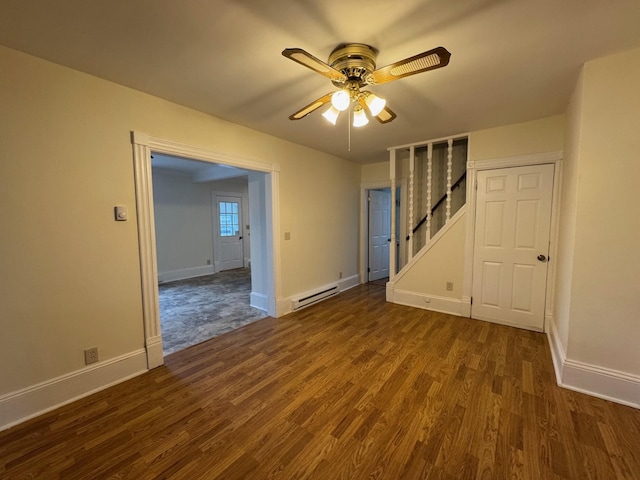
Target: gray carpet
<point x="197" y="309"/>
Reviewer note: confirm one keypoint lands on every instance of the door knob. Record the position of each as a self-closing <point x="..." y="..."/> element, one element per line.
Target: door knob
<point x="542" y="258"/>
<point x="241" y="239"/>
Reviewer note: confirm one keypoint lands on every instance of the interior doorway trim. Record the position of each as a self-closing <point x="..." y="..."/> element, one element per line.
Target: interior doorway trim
<point x="364" y="227"/>
<point x="472" y="174"/>
<point x="143" y="145"/>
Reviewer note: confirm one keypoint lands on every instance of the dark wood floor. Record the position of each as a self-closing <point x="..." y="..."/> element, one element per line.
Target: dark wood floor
<point x="352" y="388"/>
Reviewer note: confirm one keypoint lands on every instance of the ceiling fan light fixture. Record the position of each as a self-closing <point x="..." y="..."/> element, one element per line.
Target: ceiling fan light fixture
<point x="340" y="100"/>
<point x="375" y="103"/>
<point x="359" y="117"/>
<point x="331" y="114"/>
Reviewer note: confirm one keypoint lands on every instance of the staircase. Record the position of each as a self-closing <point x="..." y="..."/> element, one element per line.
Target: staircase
<point x="435" y="174"/>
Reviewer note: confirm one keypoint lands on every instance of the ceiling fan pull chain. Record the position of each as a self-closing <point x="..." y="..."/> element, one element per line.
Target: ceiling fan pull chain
<point x="349" y="124"/>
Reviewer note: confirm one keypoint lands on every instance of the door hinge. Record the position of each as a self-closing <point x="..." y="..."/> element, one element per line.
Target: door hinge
<point x="471" y="299"/>
<point x="368" y="270"/>
<point x="476" y="184"/>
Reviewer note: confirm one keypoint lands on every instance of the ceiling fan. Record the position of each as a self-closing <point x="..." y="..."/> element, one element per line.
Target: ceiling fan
<point x="351" y="67"/>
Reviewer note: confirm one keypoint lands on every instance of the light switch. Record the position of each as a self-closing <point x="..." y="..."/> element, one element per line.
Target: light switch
<point x="121" y="213"/>
<point x="287" y="235"/>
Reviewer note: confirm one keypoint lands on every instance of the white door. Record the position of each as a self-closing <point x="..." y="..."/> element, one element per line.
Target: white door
<point x="513" y="218"/>
<point x="228" y="221"/>
<point x="379" y="233"/>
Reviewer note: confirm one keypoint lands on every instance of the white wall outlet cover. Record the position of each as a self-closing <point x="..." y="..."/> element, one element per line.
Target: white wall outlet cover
<point x="120" y="213"/>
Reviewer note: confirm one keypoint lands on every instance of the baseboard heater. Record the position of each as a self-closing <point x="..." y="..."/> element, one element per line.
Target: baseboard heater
<point x="314" y="298"/>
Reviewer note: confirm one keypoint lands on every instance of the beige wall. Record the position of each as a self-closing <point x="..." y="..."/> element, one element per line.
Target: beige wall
<point x="444" y="262"/>
<point x="70" y="272"/>
<point x="567" y="225"/>
<point x="183" y="212"/>
<point x="375" y="172"/>
<point x="604" y="295"/>
<point x="539" y="136"/>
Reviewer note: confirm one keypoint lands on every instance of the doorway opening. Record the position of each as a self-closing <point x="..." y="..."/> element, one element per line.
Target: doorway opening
<point x="263" y="199"/>
<point x="202" y="249"/>
<point x="377" y="233"/>
<point x="379" y="227"/>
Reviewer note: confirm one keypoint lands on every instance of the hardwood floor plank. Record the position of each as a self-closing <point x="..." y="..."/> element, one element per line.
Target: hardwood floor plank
<point x="351" y="388"/>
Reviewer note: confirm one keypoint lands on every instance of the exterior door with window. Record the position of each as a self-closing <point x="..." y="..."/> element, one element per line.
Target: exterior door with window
<point x="511" y="248"/>
<point x="229" y="236"/>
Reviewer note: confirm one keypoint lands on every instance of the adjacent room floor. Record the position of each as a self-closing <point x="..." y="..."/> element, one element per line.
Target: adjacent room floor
<point x="197" y="309"/>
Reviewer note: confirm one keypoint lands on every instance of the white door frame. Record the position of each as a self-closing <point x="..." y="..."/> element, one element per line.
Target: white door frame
<point x="364" y="224"/>
<point x="371" y="233"/>
<point x="216" y="225"/>
<point x="143" y="145"/>
<point x="492" y="164"/>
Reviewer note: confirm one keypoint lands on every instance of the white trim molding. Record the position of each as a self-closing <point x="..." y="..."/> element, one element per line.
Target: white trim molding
<point x="364" y="227"/>
<point x="348" y="282"/>
<point x="143" y="146"/>
<point x="259" y="301"/>
<point x="17" y="407"/>
<point x="425" y="301"/>
<point x="594" y="380"/>
<point x="606" y="383"/>
<point x="184" y="273"/>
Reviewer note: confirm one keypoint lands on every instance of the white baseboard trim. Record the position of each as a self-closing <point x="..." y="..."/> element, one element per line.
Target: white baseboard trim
<point x="260" y="301"/>
<point x="283" y="306"/>
<point x="594" y="380"/>
<point x="155" y="352"/>
<point x="601" y="382"/>
<point x="184" y="273"/>
<point x="558" y="355"/>
<point x="348" y="282"/>
<point x="452" y="306"/>
<point x="465" y="306"/>
<point x="17" y="407"/>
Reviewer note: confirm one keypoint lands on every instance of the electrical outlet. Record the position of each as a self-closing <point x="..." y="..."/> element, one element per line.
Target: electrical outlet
<point x="208" y="262"/>
<point x="91" y="355"/>
<point x="450" y="286"/>
<point x="340" y="275"/>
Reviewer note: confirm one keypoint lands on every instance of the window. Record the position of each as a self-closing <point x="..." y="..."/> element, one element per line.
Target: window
<point x="228" y="219"/>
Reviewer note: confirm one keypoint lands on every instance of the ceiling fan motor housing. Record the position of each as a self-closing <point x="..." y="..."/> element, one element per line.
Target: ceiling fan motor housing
<point x="355" y="60"/>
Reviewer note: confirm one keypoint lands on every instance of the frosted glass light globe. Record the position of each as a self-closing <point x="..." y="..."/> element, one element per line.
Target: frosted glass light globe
<point x="340" y="100"/>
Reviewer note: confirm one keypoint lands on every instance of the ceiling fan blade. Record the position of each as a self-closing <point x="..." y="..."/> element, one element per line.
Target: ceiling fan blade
<point x="304" y="58"/>
<point x="386" y="115"/>
<point x="312" y="107"/>
<point x="430" y="60"/>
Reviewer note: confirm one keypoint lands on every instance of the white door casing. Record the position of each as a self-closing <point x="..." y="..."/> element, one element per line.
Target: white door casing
<point x="379" y="233"/>
<point x="229" y="232"/>
<point x="143" y="145"/>
<point x="512" y="229"/>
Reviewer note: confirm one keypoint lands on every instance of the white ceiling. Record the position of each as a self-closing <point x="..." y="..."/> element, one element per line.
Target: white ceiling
<point x="198" y="171"/>
<point x="512" y="60"/>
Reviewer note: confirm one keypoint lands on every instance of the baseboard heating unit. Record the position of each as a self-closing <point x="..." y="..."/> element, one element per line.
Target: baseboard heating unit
<point x="311" y="298"/>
